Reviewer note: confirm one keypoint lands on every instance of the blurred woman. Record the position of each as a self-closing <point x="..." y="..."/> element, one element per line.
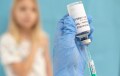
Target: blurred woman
<point x="24" y="47"/>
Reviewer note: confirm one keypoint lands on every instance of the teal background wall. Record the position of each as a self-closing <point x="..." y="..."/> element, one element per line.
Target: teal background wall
<point x="106" y="44"/>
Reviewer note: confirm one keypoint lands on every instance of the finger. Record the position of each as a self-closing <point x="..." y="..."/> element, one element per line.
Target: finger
<point x="66" y="25"/>
<point x="60" y="25"/>
<point x="78" y="42"/>
<point x="90" y="19"/>
<point x="69" y="25"/>
<point x="91" y="28"/>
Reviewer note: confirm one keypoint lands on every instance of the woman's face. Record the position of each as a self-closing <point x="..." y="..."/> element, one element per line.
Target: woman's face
<point x="25" y="14"/>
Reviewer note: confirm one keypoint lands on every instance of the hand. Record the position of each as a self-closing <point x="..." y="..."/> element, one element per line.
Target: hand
<point x="68" y="57"/>
<point x="34" y="47"/>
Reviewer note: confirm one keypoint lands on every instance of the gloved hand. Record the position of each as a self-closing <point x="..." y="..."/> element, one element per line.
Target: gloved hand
<point x="68" y="54"/>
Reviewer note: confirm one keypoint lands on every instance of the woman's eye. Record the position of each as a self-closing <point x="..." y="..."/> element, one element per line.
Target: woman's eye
<point x="34" y="10"/>
<point x="22" y="8"/>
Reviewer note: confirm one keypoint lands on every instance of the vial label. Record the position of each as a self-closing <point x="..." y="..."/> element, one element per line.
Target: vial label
<point x="81" y="22"/>
<point x="77" y="12"/>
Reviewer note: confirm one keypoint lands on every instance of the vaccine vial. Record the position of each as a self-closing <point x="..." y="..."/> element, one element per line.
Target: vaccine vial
<point x="77" y="12"/>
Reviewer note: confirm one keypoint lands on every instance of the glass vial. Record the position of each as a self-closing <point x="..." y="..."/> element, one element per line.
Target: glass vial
<point x="77" y="12"/>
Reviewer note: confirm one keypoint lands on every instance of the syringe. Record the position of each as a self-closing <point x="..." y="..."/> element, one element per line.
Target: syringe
<point x="90" y="61"/>
<point x="77" y="12"/>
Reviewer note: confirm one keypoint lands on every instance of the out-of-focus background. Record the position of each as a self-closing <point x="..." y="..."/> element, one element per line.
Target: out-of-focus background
<point x="106" y="44"/>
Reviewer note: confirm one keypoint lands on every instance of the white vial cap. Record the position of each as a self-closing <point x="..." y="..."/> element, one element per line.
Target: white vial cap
<point x="86" y="42"/>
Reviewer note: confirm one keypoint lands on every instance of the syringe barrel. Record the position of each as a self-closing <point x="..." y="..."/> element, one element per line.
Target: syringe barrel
<point x="92" y="68"/>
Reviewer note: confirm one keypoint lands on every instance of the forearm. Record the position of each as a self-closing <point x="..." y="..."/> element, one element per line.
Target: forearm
<point x="22" y="68"/>
<point x="49" y="65"/>
<point x="49" y="70"/>
<point x="27" y="63"/>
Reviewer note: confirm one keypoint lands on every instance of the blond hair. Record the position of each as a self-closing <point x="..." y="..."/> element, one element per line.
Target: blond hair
<point x="37" y="32"/>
